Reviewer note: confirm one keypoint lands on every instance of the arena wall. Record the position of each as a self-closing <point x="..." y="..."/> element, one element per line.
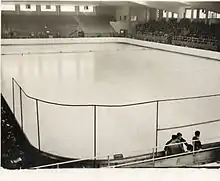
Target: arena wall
<point x="164" y="47"/>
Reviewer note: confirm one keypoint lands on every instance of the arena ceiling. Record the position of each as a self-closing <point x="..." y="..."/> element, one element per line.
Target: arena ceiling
<point x="173" y="6"/>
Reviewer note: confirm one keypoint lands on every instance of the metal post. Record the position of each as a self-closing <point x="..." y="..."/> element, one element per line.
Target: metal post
<point x="22" y="124"/>
<point x="13" y="96"/>
<point x="38" y="125"/>
<point x="108" y="161"/>
<point x="157" y="119"/>
<point x="94" y="139"/>
<point x="153" y="157"/>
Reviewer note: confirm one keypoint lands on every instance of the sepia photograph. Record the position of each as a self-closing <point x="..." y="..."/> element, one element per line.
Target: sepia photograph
<point x="110" y="84"/>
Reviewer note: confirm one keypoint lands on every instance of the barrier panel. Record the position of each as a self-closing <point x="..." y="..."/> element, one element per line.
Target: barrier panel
<point x="101" y="130"/>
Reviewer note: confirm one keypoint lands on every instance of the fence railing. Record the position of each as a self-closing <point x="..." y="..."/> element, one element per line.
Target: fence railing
<point x="95" y="106"/>
<point x="152" y="151"/>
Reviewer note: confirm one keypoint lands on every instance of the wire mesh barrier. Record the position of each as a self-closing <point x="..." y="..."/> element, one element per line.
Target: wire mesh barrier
<point x="94" y="125"/>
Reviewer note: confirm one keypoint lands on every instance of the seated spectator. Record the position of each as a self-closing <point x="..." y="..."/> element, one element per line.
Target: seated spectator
<point x="196" y="142"/>
<point x="182" y="140"/>
<point x="173" y="146"/>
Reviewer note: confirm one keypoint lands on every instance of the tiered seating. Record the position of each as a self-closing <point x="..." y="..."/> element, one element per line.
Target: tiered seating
<point x="37" y="26"/>
<point x="183" y="33"/>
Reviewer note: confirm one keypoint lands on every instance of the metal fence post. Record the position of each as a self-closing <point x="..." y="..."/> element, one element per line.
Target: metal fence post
<point x="13" y="96"/>
<point x="95" y="134"/>
<point x="21" y="107"/>
<point x="157" y="120"/>
<point x="38" y="125"/>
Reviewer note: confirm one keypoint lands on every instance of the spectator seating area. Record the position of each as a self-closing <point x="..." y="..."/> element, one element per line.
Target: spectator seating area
<point x="196" y="34"/>
<point x="37" y="26"/>
<point x="53" y="26"/>
<point x="183" y="33"/>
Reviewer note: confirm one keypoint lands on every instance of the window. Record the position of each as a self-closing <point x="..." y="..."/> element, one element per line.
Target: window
<point x="202" y="14"/>
<point x="218" y="16"/>
<point x="48" y="7"/>
<point x="169" y="14"/>
<point x="125" y="17"/>
<point x="164" y="13"/>
<point x="7" y="7"/>
<point x="86" y="9"/>
<point x="175" y="15"/>
<point x="188" y="13"/>
<point x="120" y="18"/>
<point x="28" y="6"/>
<point x="133" y="18"/>
<point x="67" y="8"/>
<point x="194" y="13"/>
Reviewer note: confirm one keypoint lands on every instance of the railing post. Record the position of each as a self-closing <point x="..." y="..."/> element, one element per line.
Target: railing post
<point x="156" y="130"/>
<point x="153" y="157"/>
<point x="21" y="106"/>
<point x="108" y="160"/>
<point x="94" y="138"/>
<point x="13" y="96"/>
<point x="38" y="125"/>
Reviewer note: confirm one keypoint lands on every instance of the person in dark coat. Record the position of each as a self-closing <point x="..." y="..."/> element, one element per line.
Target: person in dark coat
<point x="183" y="141"/>
<point x="173" y="146"/>
<point x="196" y="142"/>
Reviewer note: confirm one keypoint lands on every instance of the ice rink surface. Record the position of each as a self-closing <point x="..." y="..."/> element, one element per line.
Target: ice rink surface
<point x="110" y="73"/>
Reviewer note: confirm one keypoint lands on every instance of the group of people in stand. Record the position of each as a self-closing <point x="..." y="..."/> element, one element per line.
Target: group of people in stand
<point x="176" y="144"/>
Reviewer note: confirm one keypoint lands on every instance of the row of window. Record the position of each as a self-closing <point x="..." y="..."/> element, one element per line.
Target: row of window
<point x="124" y="18"/>
<point x="169" y="14"/>
<point x="192" y="13"/>
<point x="63" y="8"/>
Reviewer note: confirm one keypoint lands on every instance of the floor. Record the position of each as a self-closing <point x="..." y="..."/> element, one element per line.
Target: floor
<point x="109" y="74"/>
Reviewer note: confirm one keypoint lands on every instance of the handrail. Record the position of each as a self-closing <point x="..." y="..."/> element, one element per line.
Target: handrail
<point x="116" y="105"/>
<point x="60" y="163"/>
<point x="155" y="159"/>
<point x="84" y="159"/>
<point x="189" y="125"/>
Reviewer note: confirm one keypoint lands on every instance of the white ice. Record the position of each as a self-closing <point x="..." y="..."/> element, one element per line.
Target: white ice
<point x="109" y="74"/>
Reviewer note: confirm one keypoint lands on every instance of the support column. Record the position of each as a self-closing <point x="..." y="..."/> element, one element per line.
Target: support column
<point x="191" y="15"/>
<point x="147" y="14"/>
<point x="38" y="9"/>
<point x="167" y="15"/>
<point x="129" y="19"/>
<point x="58" y="10"/>
<point x="206" y="15"/>
<point x="17" y="9"/>
<point x="77" y="10"/>
<point x="198" y="14"/>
